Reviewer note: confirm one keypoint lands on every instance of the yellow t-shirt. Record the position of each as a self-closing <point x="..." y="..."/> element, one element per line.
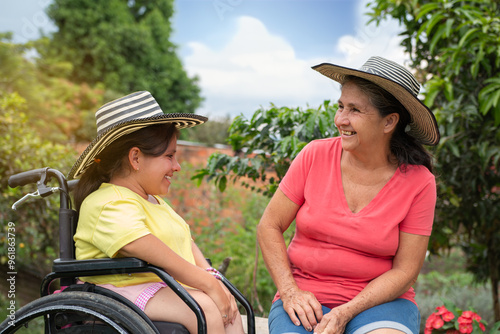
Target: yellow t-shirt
<point x="113" y="216"/>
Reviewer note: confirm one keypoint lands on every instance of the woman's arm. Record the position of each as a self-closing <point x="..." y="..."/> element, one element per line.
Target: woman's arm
<point x="301" y="306"/>
<point x="387" y="287"/>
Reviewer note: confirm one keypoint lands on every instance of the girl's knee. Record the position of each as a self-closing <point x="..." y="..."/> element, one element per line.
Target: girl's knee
<point x="213" y="316"/>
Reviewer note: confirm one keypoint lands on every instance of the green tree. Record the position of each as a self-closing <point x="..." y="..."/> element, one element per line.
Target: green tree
<point x="455" y="46"/>
<point x="55" y="108"/>
<point x="123" y="44"/>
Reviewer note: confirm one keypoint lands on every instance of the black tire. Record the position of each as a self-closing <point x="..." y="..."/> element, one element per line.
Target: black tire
<point x="76" y="312"/>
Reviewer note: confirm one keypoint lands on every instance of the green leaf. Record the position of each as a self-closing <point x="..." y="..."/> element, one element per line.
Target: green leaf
<point x="466" y="37"/>
<point x="437" y="36"/>
<point x="432" y="22"/>
<point x="222" y="183"/>
<point x="426" y="9"/>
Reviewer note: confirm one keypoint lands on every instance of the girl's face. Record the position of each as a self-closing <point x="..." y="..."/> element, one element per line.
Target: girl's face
<point x="155" y="173"/>
<point x="360" y="125"/>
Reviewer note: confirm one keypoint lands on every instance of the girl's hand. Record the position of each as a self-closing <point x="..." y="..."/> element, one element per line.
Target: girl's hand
<point x="233" y="313"/>
<point x="333" y="322"/>
<point x="302" y="308"/>
<point x="226" y="305"/>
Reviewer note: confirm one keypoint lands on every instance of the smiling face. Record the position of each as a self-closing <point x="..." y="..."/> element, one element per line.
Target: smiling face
<point x="154" y="173"/>
<point x="361" y="127"/>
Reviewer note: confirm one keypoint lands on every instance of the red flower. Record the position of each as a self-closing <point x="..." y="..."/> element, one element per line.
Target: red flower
<point x="464" y="320"/>
<point x="448" y="316"/>
<point x="434" y="321"/>
<point x="465" y="328"/>
<point x="441" y="310"/>
<point x="441" y="322"/>
<point x="468" y="314"/>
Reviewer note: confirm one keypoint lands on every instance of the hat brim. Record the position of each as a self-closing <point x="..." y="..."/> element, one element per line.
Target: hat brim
<point x="181" y="121"/>
<point x="423" y="125"/>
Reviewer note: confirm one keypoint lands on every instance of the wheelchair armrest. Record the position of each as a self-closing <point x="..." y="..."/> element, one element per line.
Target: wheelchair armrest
<point x="244" y="302"/>
<point x="118" y="264"/>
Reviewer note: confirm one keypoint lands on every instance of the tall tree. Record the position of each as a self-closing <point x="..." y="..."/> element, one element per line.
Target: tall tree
<point x="124" y="44"/>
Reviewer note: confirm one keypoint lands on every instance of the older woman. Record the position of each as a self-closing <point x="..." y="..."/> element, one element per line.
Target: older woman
<point x="364" y="207"/>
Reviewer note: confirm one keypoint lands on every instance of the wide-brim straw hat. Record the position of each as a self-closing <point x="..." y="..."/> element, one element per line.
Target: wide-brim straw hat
<point x="126" y="115"/>
<point x="399" y="82"/>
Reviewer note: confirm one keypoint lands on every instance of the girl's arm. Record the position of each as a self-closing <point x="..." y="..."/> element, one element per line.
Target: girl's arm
<point x="151" y="249"/>
<point x="202" y="262"/>
<point x="199" y="258"/>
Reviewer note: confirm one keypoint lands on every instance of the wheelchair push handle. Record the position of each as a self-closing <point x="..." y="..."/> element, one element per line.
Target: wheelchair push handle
<point x="24" y="178"/>
<point x="41" y="177"/>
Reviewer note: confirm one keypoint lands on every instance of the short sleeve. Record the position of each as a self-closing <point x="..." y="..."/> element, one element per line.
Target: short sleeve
<point x="119" y="223"/>
<point x="420" y="216"/>
<point x="294" y="182"/>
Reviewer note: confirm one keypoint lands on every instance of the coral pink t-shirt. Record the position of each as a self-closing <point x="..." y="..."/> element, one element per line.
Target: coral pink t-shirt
<point x="335" y="253"/>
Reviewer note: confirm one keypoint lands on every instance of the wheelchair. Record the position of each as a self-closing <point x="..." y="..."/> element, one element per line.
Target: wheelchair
<point x="86" y="308"/>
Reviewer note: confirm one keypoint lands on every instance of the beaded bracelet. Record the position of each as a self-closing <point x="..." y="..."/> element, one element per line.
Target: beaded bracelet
<point x="215" y="273"/>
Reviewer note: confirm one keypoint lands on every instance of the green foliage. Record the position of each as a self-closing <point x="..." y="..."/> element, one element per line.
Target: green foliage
<point x="56" y="109"/>
<point x="124" y="45"/>
<point x="268" y="141"/>
<point x="21" y="150"/>
<point x="455" y="45"/>
<point x="39" y="117"/>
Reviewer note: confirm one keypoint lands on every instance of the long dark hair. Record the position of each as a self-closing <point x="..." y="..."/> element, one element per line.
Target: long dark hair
<point x="152" y="140"/>
<point x="404" y="147"/>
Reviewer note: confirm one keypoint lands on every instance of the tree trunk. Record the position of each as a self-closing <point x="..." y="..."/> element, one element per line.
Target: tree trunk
<point x="493" y="264"/>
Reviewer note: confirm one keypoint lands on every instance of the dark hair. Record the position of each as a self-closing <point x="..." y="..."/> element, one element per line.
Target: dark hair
<point x="404" y="147"/>
<point x="152" y="140"/>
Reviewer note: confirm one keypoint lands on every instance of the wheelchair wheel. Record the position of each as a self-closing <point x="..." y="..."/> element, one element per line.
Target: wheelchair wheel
<point x="76" y="312"/>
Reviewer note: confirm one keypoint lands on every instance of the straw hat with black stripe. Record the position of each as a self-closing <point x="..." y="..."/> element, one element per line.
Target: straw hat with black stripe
<point x="399" y="82"/>
<point x="123" y="116"/>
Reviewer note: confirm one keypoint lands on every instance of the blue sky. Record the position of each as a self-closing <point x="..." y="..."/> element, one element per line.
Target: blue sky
<point x="250" y="53"/>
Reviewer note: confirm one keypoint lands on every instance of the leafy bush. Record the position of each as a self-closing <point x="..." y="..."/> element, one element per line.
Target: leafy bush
<point x="266" y="144"/>
<point x="20" y="150"/>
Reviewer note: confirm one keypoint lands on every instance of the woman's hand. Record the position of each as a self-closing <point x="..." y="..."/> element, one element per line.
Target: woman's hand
<point x="333" y="322"/>
<point x="302" y="307"/>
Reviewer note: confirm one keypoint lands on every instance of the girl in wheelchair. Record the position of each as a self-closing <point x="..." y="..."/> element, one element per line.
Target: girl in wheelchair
<point x="123" y="173"/>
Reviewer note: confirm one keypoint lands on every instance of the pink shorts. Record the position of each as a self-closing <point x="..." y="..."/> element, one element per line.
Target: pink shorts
<point x="139" y="294"/>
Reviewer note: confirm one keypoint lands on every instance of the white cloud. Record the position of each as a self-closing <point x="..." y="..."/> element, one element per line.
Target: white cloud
<point x="371" y="40"/>
<point x="256" y="67"/>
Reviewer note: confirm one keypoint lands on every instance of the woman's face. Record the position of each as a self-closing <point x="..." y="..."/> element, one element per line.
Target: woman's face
<point x="155" y="173"/>
<point x="359" y="123"/>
